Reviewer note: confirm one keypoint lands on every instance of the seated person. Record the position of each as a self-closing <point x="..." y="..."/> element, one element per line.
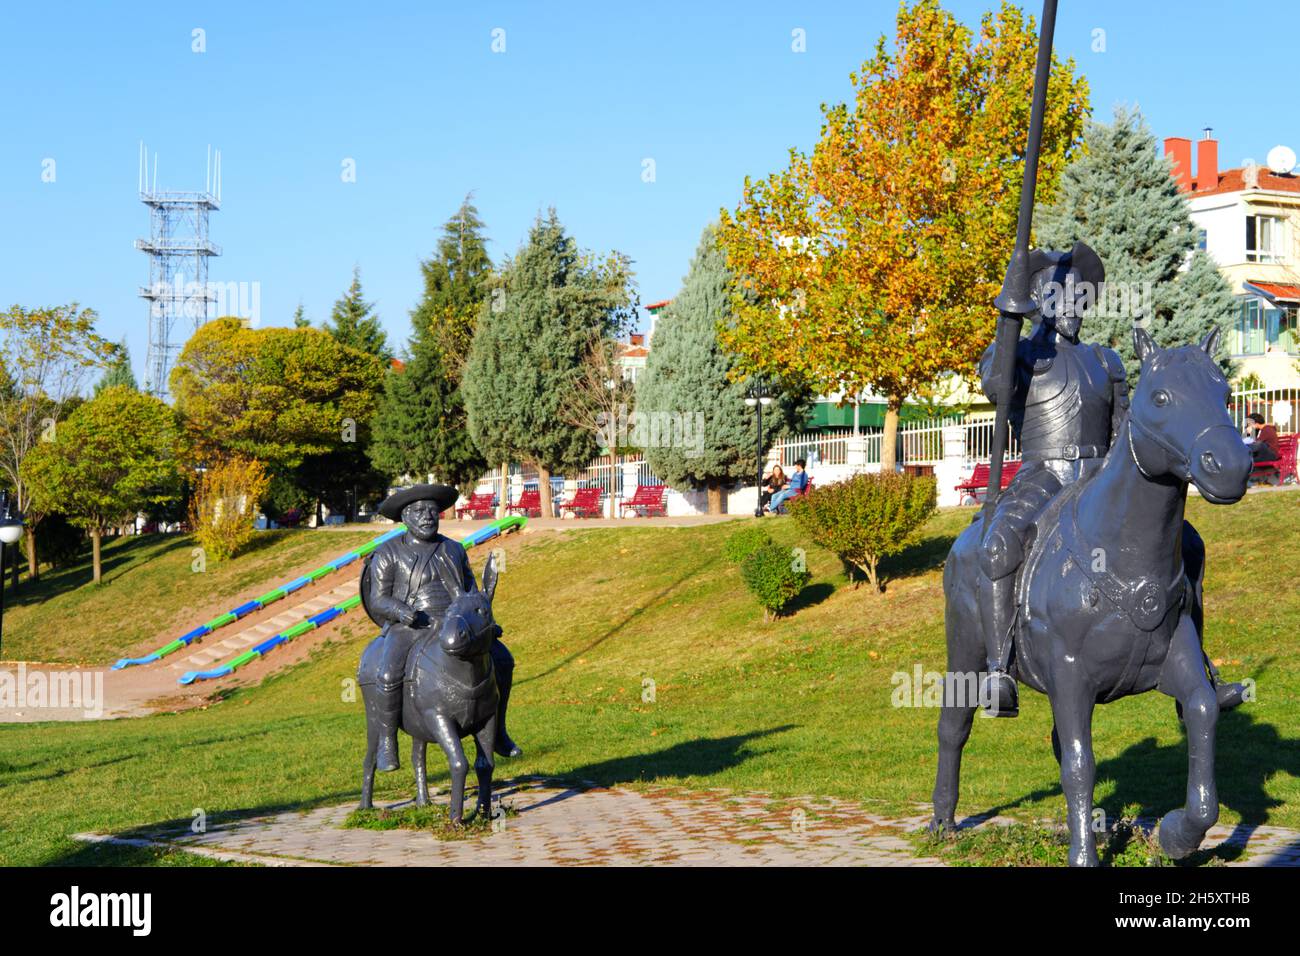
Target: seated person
<point x="1263" y="443"/>
<point x="798" y="482"/>
<point x="771" y="485"/>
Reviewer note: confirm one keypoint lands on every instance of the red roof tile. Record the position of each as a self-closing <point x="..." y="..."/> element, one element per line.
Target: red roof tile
<point x="1277" y="291"/>
<point x="653" y="306"/>
<point x="1233" y="180"/>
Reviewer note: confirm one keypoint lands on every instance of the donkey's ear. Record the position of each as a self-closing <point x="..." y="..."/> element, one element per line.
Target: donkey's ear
<point x="1210" y="344"/>
<point x="1143" y="344"/>
<point x="490" y="577"/>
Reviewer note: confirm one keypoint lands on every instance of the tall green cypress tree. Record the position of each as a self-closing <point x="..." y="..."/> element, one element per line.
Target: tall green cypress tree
<point x="1120" y="197"/>
<point x="420" y="427"/>
<point x="353" y="322"/>
<point x="119" y="371"/>
<point x="529" y="349"/>
<point x="300" y="320"/>
<point x="701" y="433"/>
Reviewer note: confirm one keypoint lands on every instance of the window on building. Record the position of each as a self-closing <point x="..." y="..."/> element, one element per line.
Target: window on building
<point x="1263" y="239"/>
<point x="1283" y="333"/>
<point x="1250" y="329"/>
<point x="1202" y="240"/>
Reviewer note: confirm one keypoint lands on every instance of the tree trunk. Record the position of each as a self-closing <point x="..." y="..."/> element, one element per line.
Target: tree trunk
<point x="889" y="440"/>
<point x="715" y="497"/>
<point x="95" y="535"/>
<point x="33" y="570"/>
<point x="544" y="487"/>
<point x="505" y="489"/>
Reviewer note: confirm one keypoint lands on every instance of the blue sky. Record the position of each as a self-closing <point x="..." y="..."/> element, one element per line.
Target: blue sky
<point x="415" y="95"/>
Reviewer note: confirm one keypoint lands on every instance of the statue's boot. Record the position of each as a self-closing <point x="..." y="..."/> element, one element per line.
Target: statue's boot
<point x="389" y="710"/>
<point x="504" y="746"/>
<point x="998" y="694"/>
<point x="1229" y="695"/>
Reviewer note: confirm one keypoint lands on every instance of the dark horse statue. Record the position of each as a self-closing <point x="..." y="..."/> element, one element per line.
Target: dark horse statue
<point x="1109" y="594"/>
<point x="450" y="692"/>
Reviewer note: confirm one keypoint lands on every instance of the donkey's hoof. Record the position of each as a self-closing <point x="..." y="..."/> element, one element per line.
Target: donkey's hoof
<point x="1173" y="841"/>
<point x="939" y="827"/>
<point x="505" y="747"/>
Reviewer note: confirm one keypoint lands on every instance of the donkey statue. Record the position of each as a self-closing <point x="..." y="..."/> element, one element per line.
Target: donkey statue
<point x="1109" y="594"/>
<point x="450" y="692"/>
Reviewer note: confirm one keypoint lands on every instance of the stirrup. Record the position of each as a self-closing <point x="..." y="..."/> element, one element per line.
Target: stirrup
<point x="998" y="696"/>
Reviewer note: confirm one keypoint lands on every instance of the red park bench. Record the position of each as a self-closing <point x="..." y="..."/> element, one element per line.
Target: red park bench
<point x="648" y="500"/>
<point x="801" y="493"/>
<point x="478" y="506"/>
<point x="979" y="480"/>
<point x="1284" y="469"/>
<point x="530" y="503"/>
<point x="585" y="503"/>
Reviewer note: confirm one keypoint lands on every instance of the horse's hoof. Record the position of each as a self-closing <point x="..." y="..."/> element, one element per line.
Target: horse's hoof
<point x="1175" y="845"/>
<point x="505" y="747"/>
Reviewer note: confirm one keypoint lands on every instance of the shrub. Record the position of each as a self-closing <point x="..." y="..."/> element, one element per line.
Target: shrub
<point x="745" y="542"/>
<point x="771" y="572"/>
<point x="224" y="507"/>
<point x="867" y="517"/>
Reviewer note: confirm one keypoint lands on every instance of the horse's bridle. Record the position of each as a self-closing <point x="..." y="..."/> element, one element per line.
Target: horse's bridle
<point x="1165" y="446"/>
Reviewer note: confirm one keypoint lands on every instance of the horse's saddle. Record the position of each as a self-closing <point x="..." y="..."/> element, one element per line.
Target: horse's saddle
<point x="1145" y="601"/>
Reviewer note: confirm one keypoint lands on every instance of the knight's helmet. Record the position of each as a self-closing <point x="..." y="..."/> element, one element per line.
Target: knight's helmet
<point x="1065" y="285"/>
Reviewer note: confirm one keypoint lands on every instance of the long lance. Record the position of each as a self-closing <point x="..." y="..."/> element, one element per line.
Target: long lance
<point x="1012" y="301"/>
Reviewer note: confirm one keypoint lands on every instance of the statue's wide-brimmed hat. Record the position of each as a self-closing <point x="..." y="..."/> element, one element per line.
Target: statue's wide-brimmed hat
<point x="444" y="495"/>
<point x="1053" y="267"/>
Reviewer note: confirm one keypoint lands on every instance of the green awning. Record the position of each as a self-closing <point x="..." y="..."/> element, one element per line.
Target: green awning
<point x="827" y="415"/>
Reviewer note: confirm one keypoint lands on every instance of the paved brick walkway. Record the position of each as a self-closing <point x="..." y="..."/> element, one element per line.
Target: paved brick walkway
<point x="554" y="826"/>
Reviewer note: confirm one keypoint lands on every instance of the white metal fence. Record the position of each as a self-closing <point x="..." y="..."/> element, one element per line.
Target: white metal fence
<point x="920" y="442"/>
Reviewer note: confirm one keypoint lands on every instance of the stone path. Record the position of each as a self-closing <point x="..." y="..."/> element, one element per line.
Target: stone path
<point x="557" y="826"/>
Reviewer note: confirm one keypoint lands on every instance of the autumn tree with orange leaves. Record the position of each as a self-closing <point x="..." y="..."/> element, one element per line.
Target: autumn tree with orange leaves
<point x="874" y="262"/>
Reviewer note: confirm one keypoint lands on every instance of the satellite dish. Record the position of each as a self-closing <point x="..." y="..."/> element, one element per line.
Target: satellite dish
<point x="1281" y="159"/>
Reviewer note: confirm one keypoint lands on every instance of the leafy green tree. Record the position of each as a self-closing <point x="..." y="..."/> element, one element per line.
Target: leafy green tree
<point x="533" y="336"/>
<point x="300" y="320"/>
<point x="119" y="370"/>
<point x="420" y="427"/>
<point x="274" y="394"/>
<point x="690" y="409"/>
<point x="353" y="323"/>
<point x="46" y="357"/>
<point x="115" y="455"/>
<point x="1120" y="197"/>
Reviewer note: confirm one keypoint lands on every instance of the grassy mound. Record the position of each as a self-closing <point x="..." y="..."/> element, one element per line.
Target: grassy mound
<point x="642" y="659"/>
<point x="151" y="593"/>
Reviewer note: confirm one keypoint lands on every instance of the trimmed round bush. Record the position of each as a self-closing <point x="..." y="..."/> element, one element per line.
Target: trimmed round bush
<point x="867" y="517"/>
<point x="774" y="575"/>
<point x="745" y="542"/>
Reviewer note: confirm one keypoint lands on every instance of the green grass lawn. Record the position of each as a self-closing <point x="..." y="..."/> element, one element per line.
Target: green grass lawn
<point x="801" y="705"/>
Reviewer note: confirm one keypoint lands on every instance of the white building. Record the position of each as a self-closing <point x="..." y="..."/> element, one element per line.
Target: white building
<point x="1249" y="223"/>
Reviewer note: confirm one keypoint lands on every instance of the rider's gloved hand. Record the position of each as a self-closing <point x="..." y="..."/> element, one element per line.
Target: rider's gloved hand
<point x="408" y="615"/>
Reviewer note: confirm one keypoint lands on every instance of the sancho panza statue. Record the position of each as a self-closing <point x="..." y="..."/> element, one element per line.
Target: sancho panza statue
<point x="412" y="581"/>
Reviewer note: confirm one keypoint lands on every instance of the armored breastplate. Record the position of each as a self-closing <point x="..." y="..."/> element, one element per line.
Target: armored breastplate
<point x="1066" y="413"/>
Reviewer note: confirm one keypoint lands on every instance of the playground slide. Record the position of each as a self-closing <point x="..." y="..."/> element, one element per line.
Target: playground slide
<point x="486" y="533"/>
<point x="270" y="597"/>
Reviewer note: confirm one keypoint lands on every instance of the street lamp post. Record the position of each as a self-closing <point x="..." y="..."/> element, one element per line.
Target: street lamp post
<point x="758" y="396"/>
<point x="11" y="529"/>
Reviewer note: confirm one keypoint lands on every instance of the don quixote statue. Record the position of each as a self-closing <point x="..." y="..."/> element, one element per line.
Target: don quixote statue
<point x="1083" y="579"/>
<point x="438" y="670"/>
